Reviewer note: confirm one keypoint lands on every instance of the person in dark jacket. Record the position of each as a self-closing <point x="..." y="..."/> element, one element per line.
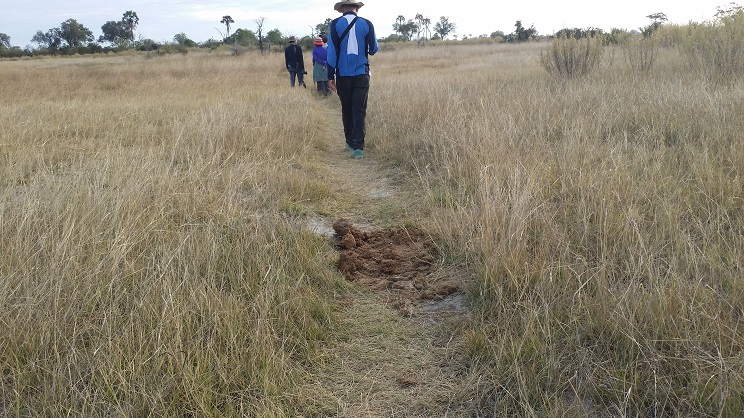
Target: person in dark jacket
<point x="352" y="39"/>
<point x="295" y="64"/>
<point x="320" y="66"/>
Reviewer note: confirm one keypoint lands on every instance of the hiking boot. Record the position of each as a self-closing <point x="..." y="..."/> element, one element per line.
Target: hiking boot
<point x="358" y="153"/>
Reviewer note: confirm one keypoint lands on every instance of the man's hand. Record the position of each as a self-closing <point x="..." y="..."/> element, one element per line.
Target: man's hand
<point x="332" y="84"/>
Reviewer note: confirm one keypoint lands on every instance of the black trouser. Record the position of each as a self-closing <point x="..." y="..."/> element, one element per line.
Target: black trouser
<point x="293" y="72"/>
<point x="353" y="94"/>
<point x="323" y="88"/>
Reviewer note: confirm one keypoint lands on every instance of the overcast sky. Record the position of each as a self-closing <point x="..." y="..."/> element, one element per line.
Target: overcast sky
<point x="200" y="20"/>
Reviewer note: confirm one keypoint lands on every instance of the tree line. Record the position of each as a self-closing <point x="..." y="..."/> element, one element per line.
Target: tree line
<point x="72" y="37"/>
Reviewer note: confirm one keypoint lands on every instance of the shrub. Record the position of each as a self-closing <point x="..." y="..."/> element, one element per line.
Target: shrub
<point x="640" y="52"/>
<point x="146" y="45"/>
<point x="569" y="57"/>
<point x="394" y="38"/>
<point x="616" y="36"/>
<point x="578" y="33"/>
<point x="211" y="44"/>
<point x="715" y="50"/>
<point x="13" y="52"/>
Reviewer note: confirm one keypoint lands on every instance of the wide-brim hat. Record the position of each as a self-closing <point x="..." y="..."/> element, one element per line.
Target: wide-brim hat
<point x="318" y="41"/>
<point x="337" y="6"/>
<point x="292" y="39"/>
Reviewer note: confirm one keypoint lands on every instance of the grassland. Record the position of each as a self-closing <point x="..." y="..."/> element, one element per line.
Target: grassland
<point x="153" y="261"/>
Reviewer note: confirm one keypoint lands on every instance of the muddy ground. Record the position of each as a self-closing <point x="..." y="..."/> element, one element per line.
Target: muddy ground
<point x="400" y="264"/>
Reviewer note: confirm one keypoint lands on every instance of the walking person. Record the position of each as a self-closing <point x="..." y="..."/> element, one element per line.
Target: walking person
<point x="351" y="41"/>
<point x="320" y="66"/>
<point x="295" y="63"/>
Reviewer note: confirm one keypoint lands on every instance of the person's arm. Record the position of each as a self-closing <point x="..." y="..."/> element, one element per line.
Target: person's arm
<point x="331" y="58"/>
<point x="331" y="79"/>
<point x="318" y="56"/>
<point x="323" y="55"/>
<point x="371" y="40"/>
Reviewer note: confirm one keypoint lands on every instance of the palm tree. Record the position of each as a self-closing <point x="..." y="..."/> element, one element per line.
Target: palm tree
<point x="130" y="21"/>
<point x="226" y="20"/>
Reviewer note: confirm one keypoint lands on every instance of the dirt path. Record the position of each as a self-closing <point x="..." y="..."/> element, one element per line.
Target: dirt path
<point x="394" y="351"/>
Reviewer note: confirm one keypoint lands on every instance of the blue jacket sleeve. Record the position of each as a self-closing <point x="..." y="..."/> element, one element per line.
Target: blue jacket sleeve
<point x="371" y="40"/>
<point x="331" y="58"/>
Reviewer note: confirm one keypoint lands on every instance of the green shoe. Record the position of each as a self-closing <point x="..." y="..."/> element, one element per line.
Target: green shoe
<point x="358" y="153"/>
<point x="348" y="147"/>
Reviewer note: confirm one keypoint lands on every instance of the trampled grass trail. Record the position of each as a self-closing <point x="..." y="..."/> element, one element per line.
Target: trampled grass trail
<point x="379" y="362"/>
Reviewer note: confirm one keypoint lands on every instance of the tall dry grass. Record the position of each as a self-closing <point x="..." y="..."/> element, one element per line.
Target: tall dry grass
<point x="147" y="267"/>
<point x="605" y="216"/>
<point x="715" y="49"/>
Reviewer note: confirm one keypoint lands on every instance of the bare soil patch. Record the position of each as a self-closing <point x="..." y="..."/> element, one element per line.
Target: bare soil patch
<point x="400" y="264"/>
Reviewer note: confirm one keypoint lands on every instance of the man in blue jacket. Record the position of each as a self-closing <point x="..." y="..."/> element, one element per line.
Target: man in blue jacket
<point x="351" y="41"/>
